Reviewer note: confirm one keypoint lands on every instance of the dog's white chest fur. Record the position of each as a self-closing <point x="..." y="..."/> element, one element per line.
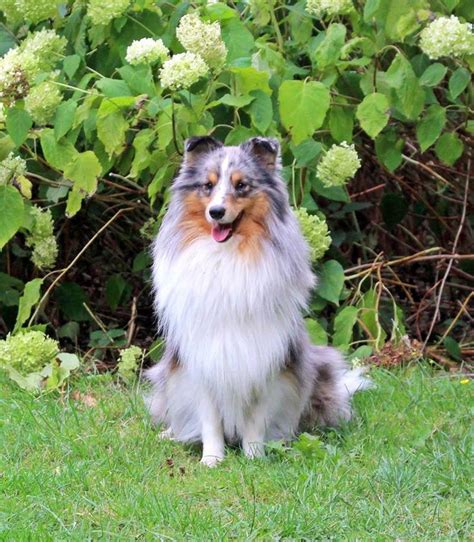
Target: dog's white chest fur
<point x="230" y="318"/>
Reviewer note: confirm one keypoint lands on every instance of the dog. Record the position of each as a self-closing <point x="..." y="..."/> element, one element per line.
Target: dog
<point x="232" y="277"/>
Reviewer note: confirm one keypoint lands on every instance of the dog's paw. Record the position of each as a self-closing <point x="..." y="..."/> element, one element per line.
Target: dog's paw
<point x="254" y="450"/>
<point x="211" y="461"/>
<point x="167" y="434"/>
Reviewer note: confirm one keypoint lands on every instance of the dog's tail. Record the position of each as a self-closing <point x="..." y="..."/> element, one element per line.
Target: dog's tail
<point x="334" y="384"/>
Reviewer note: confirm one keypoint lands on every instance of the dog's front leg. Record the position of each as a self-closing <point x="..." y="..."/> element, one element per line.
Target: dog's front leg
<point x="212" y="432"/>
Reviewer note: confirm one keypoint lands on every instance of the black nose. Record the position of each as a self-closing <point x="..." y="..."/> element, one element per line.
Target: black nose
<point x="217" y="212"/>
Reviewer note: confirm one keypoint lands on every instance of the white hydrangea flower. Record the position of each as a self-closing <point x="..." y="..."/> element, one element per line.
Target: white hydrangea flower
<point x="39" y="52"/>
<point x="146" y="51"/>
<point x="27" y="352"/>
<point x="14" y="82"/>
<point x="182" y="71"/>
<point x="102" y="12"/>
<point x="203" y="39"/>
<point x="10" y="9"/>
<point x="316" y="232"/>
<point x="41" y="238"/>
<point x="45" y="253"/>
<point x="447" y="36"/>
<point x="42" y="102"/>
<point x="37" y="10"/>
<point x="329" y="8"/>
<point x="338" y="165"/>
<point x="11" y="168"/>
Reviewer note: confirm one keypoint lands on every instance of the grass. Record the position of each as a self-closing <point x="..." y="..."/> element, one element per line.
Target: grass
<point x="400" y="470"/>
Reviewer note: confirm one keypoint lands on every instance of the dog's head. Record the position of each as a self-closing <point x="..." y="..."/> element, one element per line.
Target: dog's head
<point x="230" y="190"/>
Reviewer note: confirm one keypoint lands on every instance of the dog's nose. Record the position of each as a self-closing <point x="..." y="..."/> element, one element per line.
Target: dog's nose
<point x="217" y="212"/>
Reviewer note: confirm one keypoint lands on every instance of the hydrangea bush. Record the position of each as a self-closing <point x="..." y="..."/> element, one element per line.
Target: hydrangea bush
<point x="98" y="97"/>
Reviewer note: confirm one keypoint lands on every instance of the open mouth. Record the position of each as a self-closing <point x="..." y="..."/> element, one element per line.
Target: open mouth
<point x="223" y="232"/>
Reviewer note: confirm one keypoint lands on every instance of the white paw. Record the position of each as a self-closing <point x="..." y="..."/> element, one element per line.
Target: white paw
<point x="211" y="461"/>
<point x="167" y="434"/>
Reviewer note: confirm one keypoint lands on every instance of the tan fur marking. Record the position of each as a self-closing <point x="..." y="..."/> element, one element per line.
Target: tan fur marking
<point x="194" y="223"/>
<point x="236" y="177"/>
<point x="212" y="177"/>
<point x="253" y="225"/>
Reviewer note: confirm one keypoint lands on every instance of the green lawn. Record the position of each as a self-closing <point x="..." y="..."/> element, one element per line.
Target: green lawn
<point x="400" y="470"/>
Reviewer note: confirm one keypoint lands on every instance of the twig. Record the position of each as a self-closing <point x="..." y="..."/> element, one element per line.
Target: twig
<point x="63" y="271"/>
<point x="132" y="322"/>
<point x="450" y="263"/>
<point x="456" y="318"/>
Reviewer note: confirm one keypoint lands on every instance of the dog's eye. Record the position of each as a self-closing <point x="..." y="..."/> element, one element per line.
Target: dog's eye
<point x="241" y="186"/>
<point x="208" y="186"/>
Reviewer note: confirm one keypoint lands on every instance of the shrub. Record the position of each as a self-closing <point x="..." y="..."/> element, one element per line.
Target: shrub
<point x="99" y="97"/>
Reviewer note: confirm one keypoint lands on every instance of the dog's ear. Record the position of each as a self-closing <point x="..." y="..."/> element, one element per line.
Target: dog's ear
<point x="266" y="150"/>
<point x="198" y="145"/>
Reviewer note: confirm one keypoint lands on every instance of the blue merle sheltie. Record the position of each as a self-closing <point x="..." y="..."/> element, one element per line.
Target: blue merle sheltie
<point x="232" y="275"/>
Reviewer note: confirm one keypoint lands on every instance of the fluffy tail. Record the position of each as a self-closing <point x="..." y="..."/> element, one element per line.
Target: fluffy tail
<point x="334" y="384"/>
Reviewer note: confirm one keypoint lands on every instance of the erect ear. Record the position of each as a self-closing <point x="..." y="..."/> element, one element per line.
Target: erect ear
<point x="199" y="145"/>
<point x="266" y="150"/>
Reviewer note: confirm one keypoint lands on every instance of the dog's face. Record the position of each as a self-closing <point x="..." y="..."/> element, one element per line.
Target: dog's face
<point x="230" y="190"/>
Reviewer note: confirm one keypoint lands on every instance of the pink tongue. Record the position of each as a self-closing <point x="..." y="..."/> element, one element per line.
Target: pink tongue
<point x="221" y="233"/>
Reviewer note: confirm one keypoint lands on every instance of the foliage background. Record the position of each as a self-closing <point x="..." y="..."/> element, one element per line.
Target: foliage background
<point x="103" y="161"/>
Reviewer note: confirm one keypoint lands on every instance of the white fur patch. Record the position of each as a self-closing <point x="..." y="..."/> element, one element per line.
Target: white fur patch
<point x="230" y="319"/>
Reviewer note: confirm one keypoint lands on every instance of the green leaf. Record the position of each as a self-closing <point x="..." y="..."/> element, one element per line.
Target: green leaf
<point x="343" y="326"/>
<point x="249" y="78"/>
<point x="113" y="88"/>
<point x="373" y="113"/>
<point x="433" y="75"/>
<point x="331" y="281"/>
<point x="334" y="193"/>
<point x="111" y="129"/>
<point x="430" y="126"/>
<point x="18" y="124"/>
<point x="306" y="152"/>
<point x="341" y="123"/>
<point x="261" y="110"/>
<point x="58" y="153"/>
<point x="142" y="158"/>
<point x="407" y="95"/>
<point x="30" y="382"/>
<point x="115" y="290"/>
<point x="11" y="213"/>
<point x="394" y="208"/>
<point x="235" y="101"/>
<point x="458" y="82"/>
<point x="71" y="64"/>
<point x="7" y="40"/>
<point x="139" y="79"/>
<point x="369" y="317"/>
<point x="83" y="171"/>
<point x="303" y="107"/>
<point x="449" y="148"/>
<point x="388" y="147"/>
<point x="316" y="332"/>
<point x="453" y="348"/>
<point x="6" y="146"/>
<point x="64" y="118"/>
<point x="31" y="296"/>
<point x="238" y="40"/>
<point x="329" y="49"/>
<point x="71" y="298"/>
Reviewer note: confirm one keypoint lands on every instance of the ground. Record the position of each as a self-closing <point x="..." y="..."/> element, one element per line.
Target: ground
<point x="88" y="465"/>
